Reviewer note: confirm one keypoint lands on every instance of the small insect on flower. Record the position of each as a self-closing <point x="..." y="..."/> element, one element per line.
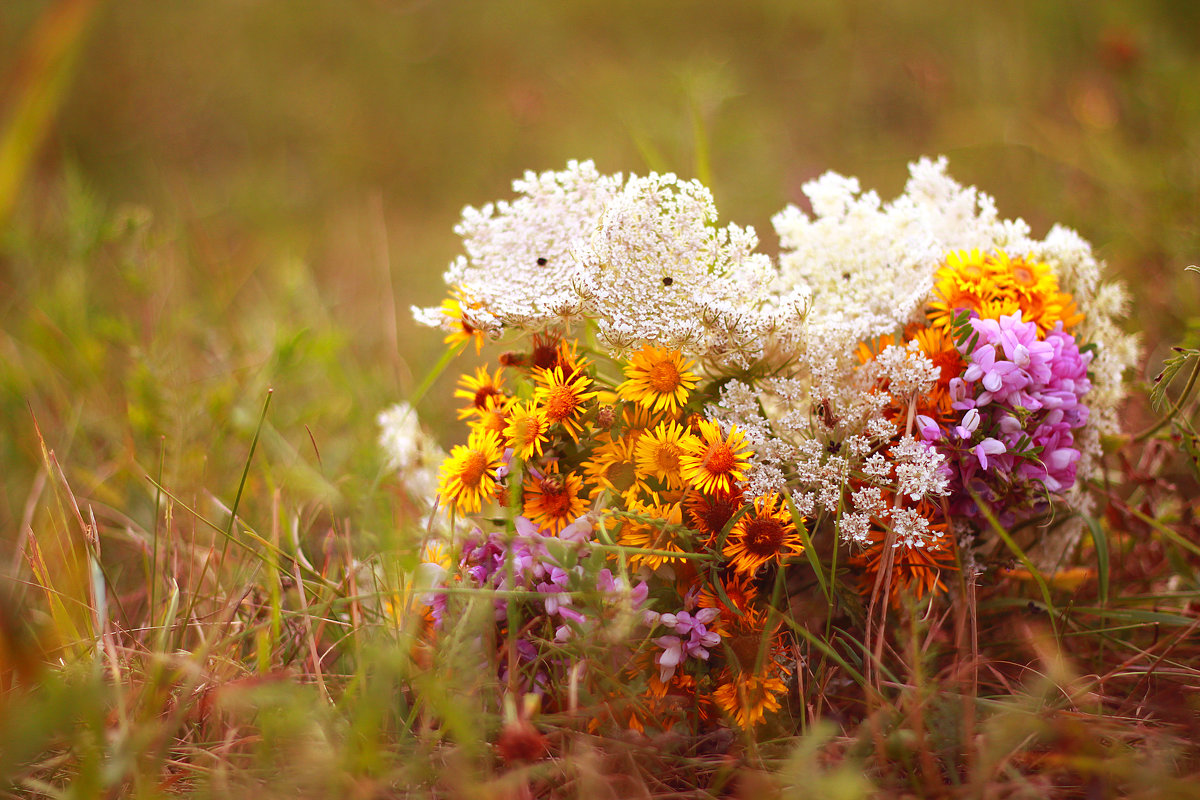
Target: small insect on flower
<point x="658" y="379"/>
<point x="468" y="476"/>
<point x="715" y="462"/>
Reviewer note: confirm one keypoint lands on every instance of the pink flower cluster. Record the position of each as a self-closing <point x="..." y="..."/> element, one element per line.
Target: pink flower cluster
<point x="1018" y="402"/>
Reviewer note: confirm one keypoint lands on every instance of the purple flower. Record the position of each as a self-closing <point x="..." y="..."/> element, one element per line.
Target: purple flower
<point x="988" y="447"/>
<point x="694" y="639"/>
<point x="1019" y="400"/>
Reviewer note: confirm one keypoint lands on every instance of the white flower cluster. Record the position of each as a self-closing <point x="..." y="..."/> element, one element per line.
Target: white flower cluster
<point x="809" y="454"/>
<point x="519" y="265"/>
<point x="644" y="258"/>
<point x="907" y="370"/>
<point x="660" y="271"/>
<point x="410" y="451"/>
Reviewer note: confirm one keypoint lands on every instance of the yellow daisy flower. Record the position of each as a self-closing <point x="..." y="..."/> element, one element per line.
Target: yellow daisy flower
<point x="482" y="390"/>
<point x="657" y="526"/>
<point x="715" y="462"/>
<point x="659" y="452"/>
<point x="966" y="281"/>
<point x="996" y="285"/>
<point x="468" y="475"/>
<point x="456" y="309"/>
<point x="527" y="430"/>
<point x="493" y="418"/>
<point x="563" y="398"/>
<point x="613" y="467"/>
<point x="552" y="500"/>
<point x="766" y="533"/>
<point x="658" y="379"/>
<point x="748" y="697"/>
<point x="1024" y="277"/>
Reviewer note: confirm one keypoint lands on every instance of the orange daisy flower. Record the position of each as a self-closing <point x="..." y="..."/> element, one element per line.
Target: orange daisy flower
<point x="552" y="501"/>
<point x="753" y="680"/>
<point x="741" y="593"/>
<point x="748" y="698"/>
<point x="938" y="345"/>
<point x="916" y="571"/>
<point x="765" y="534"/>
<point x="709" y="514"/>
<point x="483" y="390"/>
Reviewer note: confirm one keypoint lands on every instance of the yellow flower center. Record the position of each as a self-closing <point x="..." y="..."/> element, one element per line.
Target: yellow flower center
<point x="666" y="456"/>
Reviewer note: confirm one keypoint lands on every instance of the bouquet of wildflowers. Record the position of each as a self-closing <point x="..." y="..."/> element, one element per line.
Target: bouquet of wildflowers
<point x="681" y="431"/>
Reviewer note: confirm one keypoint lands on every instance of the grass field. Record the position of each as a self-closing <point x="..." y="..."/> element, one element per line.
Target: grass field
<point x="213" y="220"/>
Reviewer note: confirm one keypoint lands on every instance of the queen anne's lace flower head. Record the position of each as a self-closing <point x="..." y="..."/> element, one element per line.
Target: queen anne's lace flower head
<point x="659" y="271"/>
<point x="518" y="266"/>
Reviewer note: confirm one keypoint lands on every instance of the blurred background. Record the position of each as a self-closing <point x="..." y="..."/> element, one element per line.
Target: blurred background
<point x="202" y="200"/>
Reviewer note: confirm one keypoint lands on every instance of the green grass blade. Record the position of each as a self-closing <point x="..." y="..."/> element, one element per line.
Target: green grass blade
<point x="1100" y="540"/>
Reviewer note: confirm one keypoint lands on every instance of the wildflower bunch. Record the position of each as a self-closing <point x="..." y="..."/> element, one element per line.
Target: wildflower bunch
<point x="677" y="419"/>
<point x="619" y="495"/>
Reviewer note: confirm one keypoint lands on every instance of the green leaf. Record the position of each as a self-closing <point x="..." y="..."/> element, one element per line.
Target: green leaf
<point x="1171" y="368"/>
